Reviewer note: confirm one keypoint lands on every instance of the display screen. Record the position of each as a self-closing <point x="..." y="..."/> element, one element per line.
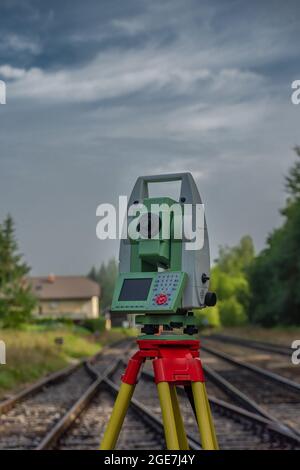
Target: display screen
<point x="135" y="289"/>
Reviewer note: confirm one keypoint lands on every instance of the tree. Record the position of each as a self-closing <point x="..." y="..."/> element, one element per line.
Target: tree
<point x="93" y="275"/>
<point x="236" y="259"/>
<point x="232" y="312"/>
<point x="207" y="316"/>
<point x="292" y="180"/>
<point x="275" y="275"/>
<point x="229" y="281"/>
<point x="106" y="277"/>
<point x="16" y="299"/>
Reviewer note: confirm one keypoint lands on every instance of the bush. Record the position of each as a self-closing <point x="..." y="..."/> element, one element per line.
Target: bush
<point x="48" y="323"/>
<point x="94" y="324"/>
<point x="207" y="316"/>
<point x="232" y="313"/>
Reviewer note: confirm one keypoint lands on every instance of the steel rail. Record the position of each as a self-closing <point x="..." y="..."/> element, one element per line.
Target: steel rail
<point x="270" y="427"/>
<point x="31" y="390"/>
<point x="68" y="419"/>
<point x="274" y="428"/>
<point x="264" y="346"/>
<point x="244" y="400"/>
<point x="83" y="401"/>
<point x="257" y="370"/>
<point x="70" y="416"/>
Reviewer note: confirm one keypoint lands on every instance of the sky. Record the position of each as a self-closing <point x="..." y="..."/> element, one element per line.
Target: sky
<point x="100" y="92"/>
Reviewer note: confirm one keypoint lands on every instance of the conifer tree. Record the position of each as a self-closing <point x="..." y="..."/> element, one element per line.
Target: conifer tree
<point x="16" y="299"/>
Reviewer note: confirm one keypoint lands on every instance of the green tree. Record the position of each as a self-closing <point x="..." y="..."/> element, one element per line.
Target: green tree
<point x="93" y="275"/>
<point x="16" y="299"/>
<point x="232" y="312"/>
<point x="106" y="277"/>
<point x="275" y="275"/>
<point x="207" y="316"/>
<point x="229" y="281"/>
<point x="234" y="260"/>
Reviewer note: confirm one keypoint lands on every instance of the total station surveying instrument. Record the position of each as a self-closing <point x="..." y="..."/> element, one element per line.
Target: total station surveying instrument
<point x="162" y="280"/>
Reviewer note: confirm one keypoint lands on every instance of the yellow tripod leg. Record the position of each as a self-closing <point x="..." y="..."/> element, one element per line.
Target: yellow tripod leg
<point x="117" y="417"/>
<point x="183" y="443"/>
<point x="168" y="417"/>
<point x="204" y="419"/>
<point x="212" y="426"/>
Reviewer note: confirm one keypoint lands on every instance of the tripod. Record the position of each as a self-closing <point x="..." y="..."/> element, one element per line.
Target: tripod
<point x="175" y="362"/>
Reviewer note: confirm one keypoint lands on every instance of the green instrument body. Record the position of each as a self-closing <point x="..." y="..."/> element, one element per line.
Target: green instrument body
<point x="144" y="292"/>
<point x="160" y="276"/>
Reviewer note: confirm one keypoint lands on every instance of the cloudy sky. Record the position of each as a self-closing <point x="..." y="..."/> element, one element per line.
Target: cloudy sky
<point x="99" y="92"/>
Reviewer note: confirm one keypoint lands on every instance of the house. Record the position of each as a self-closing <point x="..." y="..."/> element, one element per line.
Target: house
<point x="75" y="297"/>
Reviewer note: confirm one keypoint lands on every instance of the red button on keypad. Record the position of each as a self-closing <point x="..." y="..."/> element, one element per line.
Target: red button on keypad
<point x="161" y="299"/>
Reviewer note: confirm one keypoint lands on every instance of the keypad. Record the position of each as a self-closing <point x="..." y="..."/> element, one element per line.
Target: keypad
<point x="164" y="289"/>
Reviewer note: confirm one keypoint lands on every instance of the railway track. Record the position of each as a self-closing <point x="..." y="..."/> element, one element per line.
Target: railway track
<point x="278" y="367"/>
<point x="256" y="389"/>
<point x="28" y="417"/>
<point x="271" y="359"/>
<point x="263" y="346"/>
<point x="141" y="429"/>
<point x="87" y="430"/>
<point x="236" y="427"/>
<point x="70" y="410"/>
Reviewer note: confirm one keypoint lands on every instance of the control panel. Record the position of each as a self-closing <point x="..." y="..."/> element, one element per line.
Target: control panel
<point x="165" y="288"/>
<point x="153" y="292"/>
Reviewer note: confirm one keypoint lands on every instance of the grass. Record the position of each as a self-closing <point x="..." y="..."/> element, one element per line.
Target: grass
<point x="280" y="334"/>
<point x="33" y="353"/>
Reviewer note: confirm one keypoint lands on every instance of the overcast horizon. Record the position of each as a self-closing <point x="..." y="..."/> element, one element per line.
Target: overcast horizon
<point x="101" y="92"/>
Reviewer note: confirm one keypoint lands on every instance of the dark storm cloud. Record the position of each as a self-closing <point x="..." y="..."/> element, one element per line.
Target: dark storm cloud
<point x="71" y="32"/>
<point x="99" y="92"/>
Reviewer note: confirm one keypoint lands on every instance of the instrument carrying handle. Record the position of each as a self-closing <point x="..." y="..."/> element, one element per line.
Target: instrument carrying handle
<point x="165" y="178"/>
<point x="188" y="191"/>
